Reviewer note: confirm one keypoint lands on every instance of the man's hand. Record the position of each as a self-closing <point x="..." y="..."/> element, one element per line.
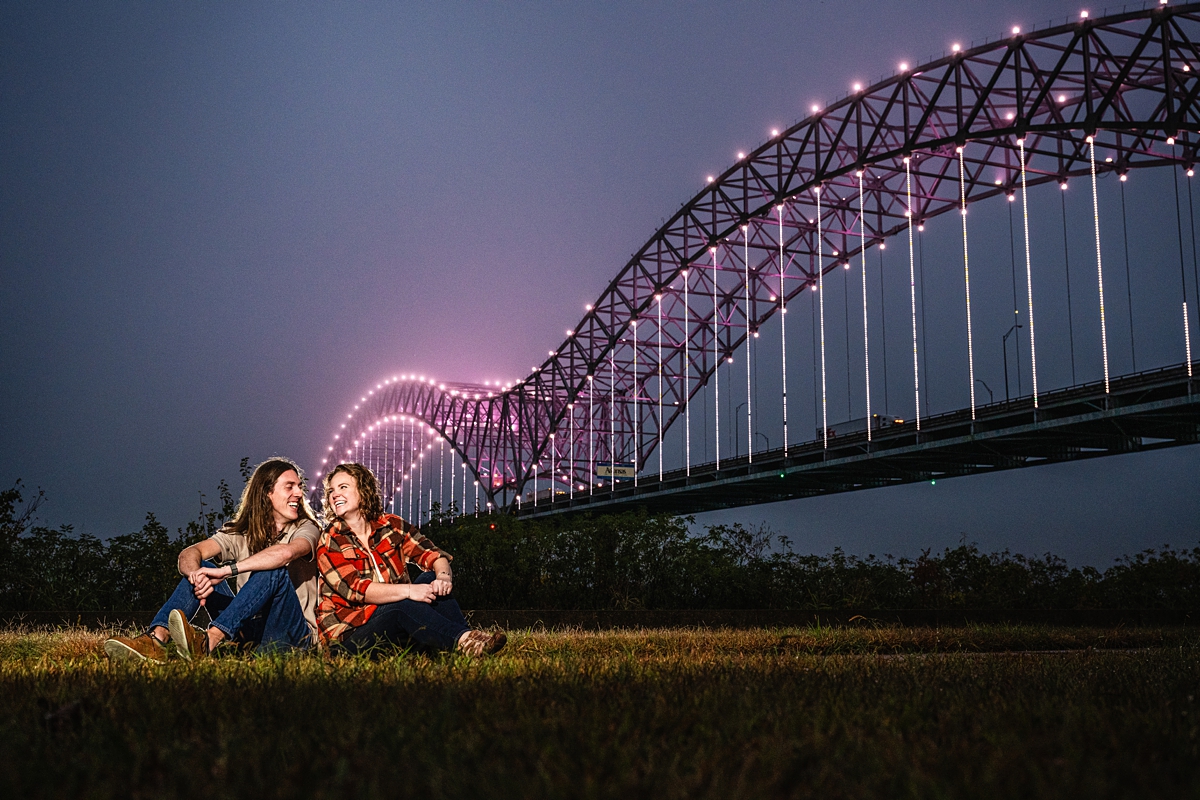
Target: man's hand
<point x="202" y="582"/>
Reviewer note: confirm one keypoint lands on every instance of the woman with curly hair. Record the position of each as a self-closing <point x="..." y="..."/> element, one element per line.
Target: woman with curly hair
<point x="366" y="596"/>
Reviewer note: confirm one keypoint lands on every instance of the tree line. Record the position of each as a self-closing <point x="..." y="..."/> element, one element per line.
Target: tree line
<point x="621" y="561"/>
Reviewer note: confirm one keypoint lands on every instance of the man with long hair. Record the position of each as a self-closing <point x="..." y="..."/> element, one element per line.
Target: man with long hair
<point x="367" y="599"/>
<point x="269" y="548"/>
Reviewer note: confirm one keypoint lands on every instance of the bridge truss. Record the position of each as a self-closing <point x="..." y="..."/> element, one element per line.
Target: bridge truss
<point x="1088" y="97"/>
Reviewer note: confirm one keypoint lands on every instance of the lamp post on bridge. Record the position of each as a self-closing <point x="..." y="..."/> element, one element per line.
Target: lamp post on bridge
<point x="1004" y="344"/>
<point x="991" y="397"/>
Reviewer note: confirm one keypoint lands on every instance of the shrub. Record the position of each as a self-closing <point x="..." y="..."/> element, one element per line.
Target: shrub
<point x="617" y="561"/>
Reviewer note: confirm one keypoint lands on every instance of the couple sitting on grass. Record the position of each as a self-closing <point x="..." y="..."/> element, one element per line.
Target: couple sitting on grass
<point x="347" y="589"/>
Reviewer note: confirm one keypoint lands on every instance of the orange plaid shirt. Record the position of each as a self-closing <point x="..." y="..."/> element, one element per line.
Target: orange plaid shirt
<point x="346" y="570"/>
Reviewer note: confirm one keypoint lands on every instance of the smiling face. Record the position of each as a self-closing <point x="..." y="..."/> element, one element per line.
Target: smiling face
<point x="286" y="496"/>
<point x="344" y="496"/>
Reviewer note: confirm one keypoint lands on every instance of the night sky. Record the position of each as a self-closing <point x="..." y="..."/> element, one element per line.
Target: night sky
<point x="221" y="222"/>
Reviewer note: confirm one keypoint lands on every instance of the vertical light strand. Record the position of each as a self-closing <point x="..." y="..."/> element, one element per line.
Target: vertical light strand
<point x="1099" y="263"/>
<point x="442" y="474"/>
<point x="862" y="241"/>
<point x="571" y="457"/>
<point x="716" y="361"/>
<point x="553" y="467"/>
<point x="612" y="416"/>
<point x="453" y="450"/>
<point x="1187" y="335"/>
<point x="591" y="436"/>
<point x="783" y="327"/>
<point x="821" y="299"/>
<point x="637" y="444"/>
<point x="1195" y="260"/>
<point x="411" y="445"/>
<point x="1028" y="270"/>
<point x="749" y="407"/>
<point x="658" y="299"/>
<point x="962" y="193"/>
<point x="912" y="287"/>
<point x="686" y="379"/>
<point x="402" y="477"/>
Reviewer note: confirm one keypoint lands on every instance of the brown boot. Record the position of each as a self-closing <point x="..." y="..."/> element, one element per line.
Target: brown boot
<point x="192" y="643"/>
<point x="137" y="648"/>
<point x="480" y="643"/>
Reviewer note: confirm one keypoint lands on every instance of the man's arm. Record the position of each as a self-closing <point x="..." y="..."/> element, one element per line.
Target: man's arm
<point x="190" y="567"/>
<point x="273" y="557"/>
<point x="190" y="557"/>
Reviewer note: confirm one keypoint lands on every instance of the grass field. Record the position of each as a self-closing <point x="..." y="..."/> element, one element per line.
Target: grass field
<point x="992" y="711"/>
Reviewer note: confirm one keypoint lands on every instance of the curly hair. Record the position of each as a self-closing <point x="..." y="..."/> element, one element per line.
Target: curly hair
<point x="370" y="500"/>
<point x="255" y="517"/>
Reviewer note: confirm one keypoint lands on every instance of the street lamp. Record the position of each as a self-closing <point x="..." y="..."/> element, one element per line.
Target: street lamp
<point x="991" y="397"/>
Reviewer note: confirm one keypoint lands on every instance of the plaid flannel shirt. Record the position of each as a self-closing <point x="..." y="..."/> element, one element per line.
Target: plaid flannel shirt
<point x="346" y="570"/>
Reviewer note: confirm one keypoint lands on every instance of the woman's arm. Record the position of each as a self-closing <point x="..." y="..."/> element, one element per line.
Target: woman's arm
<point x="380" y="593"/>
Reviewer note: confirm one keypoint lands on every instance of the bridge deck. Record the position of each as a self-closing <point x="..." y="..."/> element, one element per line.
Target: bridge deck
<point x="1144" y="411"/>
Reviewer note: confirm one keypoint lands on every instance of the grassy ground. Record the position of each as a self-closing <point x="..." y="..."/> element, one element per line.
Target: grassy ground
<point x="839" y="712"/>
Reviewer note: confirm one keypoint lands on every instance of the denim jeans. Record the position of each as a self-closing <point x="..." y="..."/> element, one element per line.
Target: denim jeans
<point x="426" y="627"/>
<point x="266" y="612"/>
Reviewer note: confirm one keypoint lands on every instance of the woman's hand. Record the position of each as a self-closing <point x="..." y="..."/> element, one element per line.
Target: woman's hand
<point x="422" y="592"/>
<point x="442" y="587"/>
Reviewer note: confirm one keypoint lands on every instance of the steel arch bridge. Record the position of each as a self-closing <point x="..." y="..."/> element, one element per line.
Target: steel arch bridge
<point x="1088" y="97"/>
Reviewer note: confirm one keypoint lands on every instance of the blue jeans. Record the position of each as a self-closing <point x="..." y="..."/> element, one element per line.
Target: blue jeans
<point x="266" y="612"/>
<point x="425" y="627"/>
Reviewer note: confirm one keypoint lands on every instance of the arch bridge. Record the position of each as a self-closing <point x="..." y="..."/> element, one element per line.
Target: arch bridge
<point x="611" y="416"/>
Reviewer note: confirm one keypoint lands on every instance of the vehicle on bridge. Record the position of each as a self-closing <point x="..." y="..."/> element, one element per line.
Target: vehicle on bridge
<point x="879" y="422"/>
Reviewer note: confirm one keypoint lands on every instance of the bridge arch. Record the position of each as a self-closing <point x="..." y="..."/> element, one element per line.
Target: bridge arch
<point x="758" y="235"/>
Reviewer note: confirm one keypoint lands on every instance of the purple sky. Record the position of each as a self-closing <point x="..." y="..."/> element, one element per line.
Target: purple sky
<point x="220" y="223"/>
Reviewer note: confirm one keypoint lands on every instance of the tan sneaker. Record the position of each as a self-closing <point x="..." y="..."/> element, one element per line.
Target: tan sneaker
<point x="481" y="643"/>
<point x="137" y="648"/>
<point x="192" y="643"/>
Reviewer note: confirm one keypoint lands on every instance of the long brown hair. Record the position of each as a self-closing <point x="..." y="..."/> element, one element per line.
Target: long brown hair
<point x="255" y="518"/>
<point x="369" y="499"/>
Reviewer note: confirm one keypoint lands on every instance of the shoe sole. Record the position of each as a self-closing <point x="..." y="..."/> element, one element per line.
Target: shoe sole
<point x="496" y="643"/>
<point x="178" y="626"/>
<point x="117" y="651"/>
